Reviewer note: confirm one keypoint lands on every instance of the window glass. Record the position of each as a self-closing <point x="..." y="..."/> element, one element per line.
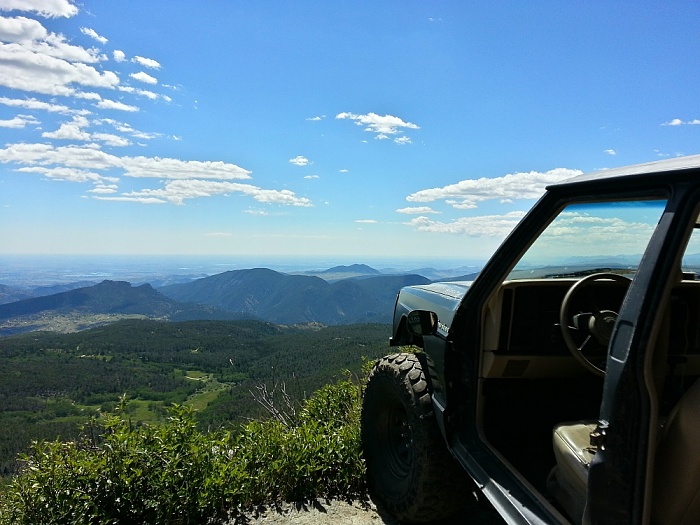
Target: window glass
<point x="691" y="257"/>
<point x="591" y="238"/>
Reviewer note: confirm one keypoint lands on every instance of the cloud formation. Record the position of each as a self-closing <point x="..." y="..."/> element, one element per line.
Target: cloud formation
<point x="91" y="157"/>
<point x="18" y="122"/>
<point x="68" y="96"/>
<point x="144" y="77"/>
<point x="93" y="34"/>
<point x="484" y="226"/>
<point x="466" y="194"/>
<point x="176" y="192"/>
<point x="300" y="160"/>
<point x="45" y="8"/>
<point x="384" y="127"/>
<point x="679" y="122"/>
<point x="416" y="210"/>
<point x="146" y="62"/>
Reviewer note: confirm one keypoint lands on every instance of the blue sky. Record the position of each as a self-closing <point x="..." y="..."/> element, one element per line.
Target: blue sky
<point x="353" y="129"/>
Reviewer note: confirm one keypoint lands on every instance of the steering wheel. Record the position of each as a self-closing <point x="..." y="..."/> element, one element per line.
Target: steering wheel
<point x="595" y="324"/>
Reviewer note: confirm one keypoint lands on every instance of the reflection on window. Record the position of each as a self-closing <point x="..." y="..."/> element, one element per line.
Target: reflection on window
<point x="591" y="238"/>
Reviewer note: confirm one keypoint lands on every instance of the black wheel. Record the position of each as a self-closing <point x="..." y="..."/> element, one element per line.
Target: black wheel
<point x="410" y="473"/>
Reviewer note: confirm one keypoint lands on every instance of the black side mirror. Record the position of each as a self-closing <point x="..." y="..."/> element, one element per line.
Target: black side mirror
<point x="422" y="322"/>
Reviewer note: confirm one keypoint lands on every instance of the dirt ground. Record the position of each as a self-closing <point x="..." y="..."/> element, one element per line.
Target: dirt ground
<point x="318" y="513"/>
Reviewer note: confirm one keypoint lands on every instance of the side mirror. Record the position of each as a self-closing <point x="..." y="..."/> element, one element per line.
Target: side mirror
<point x="422" y="322"/>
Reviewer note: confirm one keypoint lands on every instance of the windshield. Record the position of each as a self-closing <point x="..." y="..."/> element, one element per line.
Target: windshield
<point x="590" y="238"/>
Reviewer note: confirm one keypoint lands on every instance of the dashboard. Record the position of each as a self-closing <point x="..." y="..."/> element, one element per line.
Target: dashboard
<point x="522" y="332"/>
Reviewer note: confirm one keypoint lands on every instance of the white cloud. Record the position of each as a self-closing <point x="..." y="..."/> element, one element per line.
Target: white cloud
<point x="141" y="92"/>
<point x="146" y="62"/>
<point x="113" y="104"/>
<point x="366" y="221"/>
<point x="384" y="126"/>
<point x="610" y="152"/>
<point x="34" y="59"/>
<point x="141" y="200"/>
<point x="178" y="191"/>
<point x="317" y="118"/>
<point x="674" y="122"/>
<point x="90" y="157"/>
<point x="164" y="168"/>
<point x="574" y="228"/>
<point x="183" y="179"/>
<point x="93" y="34"/>
<point x="88" y="95"/>
<point x="70" y="131"/>
<point x="485" y="226"/>
<point x="46" y="8"/>
<point x="141" y="76"/>
<point x="68" y="174"/>
<point x="104" y="189"/>
<point x="29" y="35"/>
<point x="110" y="139"/>
<point x="343" y="171"/>
<point x="416" y="210"/>
<point x="311" y="177"/>
<point x="462" y="205"/>
<point x="679" y="122"/>
<point x="468" y="193"/>
<point x="300" y="160"/>
<point x="123" y="127"/>
<point x="19" y="122"/>
<point x="32" y="103"/>
<point x="27" y="70"/>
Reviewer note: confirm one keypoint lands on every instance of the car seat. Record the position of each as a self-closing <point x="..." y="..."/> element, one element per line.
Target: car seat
<point x="676" y="475"/>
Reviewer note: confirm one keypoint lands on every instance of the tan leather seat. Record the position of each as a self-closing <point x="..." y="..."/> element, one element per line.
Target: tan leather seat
<point x="573" y="453"/>
<point x="676" y="485"/>
<point x="676" y="496"/>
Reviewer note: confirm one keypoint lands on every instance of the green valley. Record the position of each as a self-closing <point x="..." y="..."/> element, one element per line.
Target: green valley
<point x="51" y="384"/>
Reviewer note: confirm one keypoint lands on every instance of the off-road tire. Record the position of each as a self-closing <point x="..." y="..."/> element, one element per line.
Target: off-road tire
<point x="410" y="473"/>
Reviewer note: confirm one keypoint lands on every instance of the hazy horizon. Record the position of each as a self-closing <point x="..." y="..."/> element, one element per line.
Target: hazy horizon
<point x="26" y="270"/>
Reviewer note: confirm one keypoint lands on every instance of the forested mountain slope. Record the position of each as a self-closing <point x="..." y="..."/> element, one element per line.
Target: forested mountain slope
<point x="288" y="299"/>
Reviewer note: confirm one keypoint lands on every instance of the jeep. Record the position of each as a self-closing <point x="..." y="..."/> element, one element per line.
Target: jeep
<point x="560" y="385"/>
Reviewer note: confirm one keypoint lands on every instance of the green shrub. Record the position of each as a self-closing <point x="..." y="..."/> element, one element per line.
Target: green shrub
<point x="174" y="474"/>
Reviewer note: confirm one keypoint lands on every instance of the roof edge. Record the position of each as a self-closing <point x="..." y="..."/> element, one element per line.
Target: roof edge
<point x="658" y="166"/>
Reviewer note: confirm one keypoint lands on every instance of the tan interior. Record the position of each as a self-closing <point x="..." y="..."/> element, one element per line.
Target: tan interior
<point x="676" y="473"/>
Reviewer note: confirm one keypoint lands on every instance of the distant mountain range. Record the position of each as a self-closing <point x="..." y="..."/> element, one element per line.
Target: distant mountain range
<point x="292" y="299"/>
<point x="258" y="293"/>
<point x="10" y="294"/>
<point x="109" y="300"/>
